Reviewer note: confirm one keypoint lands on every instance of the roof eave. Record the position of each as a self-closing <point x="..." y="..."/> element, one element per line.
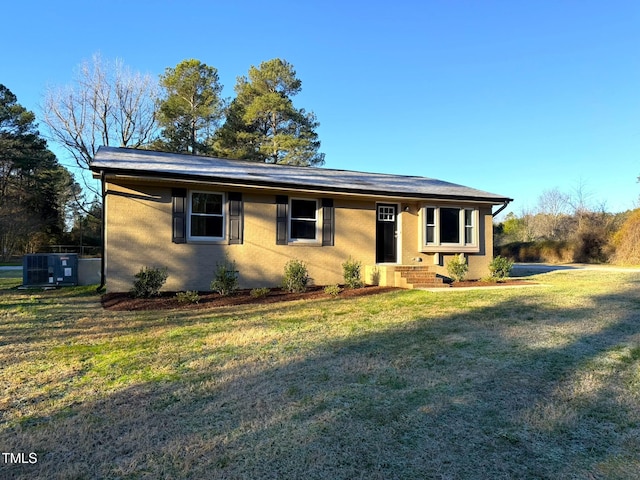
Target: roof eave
<point x="261" y="184"/>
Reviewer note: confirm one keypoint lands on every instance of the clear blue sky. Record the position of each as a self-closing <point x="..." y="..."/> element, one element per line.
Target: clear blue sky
<point x="506" y="96"/>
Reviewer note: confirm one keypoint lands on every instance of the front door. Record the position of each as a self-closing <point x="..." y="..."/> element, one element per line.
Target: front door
<point x="386" y="233"/>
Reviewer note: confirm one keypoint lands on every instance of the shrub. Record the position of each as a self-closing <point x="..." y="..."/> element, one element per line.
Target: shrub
<point x="259" y="292"/>
<point x="352" y="273"/>
<point x="500" y="268"/>
<point x="627" y="241"/>
<point x="190" y="296"/>
<point x="333" y="290"/>
<point x="457" y="268"/>
<point x="225" y="281"/>
<point x="296" y="276"/>
<point x="149" y="281"/>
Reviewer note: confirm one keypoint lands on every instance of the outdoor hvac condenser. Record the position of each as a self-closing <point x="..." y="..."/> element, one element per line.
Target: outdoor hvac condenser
<point x="50" y="269"/>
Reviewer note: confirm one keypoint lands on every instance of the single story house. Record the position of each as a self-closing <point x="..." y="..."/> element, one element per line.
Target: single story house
<point x="188" y="213"/>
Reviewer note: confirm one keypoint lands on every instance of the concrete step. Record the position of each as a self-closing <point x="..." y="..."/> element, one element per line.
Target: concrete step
<point x="428" y="285"/>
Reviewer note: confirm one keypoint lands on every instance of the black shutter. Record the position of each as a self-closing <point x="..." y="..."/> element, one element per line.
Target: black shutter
<point x="236" y="219"/>
<point x="328" y="222"/>
<point x="179" y="201"/>
<point x="282" y="207"/>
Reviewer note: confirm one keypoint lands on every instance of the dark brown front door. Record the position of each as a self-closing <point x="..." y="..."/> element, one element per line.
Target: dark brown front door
<point x="386" y="233"/>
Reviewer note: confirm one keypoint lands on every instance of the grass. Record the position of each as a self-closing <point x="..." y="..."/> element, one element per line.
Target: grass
<point x="496" y="383"/>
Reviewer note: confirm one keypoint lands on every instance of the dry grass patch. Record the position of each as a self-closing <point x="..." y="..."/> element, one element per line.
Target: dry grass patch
<point x="532" y="383"/>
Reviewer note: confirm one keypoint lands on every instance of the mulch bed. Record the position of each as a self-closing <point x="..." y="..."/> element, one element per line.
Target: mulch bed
<point x="168" y="300"/>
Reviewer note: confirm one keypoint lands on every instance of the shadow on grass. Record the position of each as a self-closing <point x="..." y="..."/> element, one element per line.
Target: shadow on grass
<point x="455" y="397"/>
<point x="529" y="269"/>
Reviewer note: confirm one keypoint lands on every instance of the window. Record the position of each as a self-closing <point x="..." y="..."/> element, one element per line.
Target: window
<point x="430" y="225"/>
<point x="386" y="214"/>
<point x="449" y="225"/>
<point x="468" y="226"/>
<point x="449" y="228"/>
<point x="303" y="221"/>
<point x="206" y="216"/>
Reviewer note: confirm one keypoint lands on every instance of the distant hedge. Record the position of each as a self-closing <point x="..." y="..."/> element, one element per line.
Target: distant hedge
<point x="541" y="251"/>
<point x="627" y="241"/>
<point x="587" y="248"/>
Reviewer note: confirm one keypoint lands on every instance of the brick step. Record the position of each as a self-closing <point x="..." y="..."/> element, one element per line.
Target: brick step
<point x="411" y="268"/>
<point x="432" y="277"/>
<point x="435" y="281"/>
<point x="417" y="276"/>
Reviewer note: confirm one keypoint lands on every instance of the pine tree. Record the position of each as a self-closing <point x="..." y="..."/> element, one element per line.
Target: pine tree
<point x="191" y="109"/>
<point x="262" y="123"/>
<point x="35" y="189"/>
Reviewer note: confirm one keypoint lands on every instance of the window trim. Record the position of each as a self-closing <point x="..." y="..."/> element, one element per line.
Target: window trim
<point x="318" y="221"/>
<point x="224" y="215"/>
<point x="458" y="247"/>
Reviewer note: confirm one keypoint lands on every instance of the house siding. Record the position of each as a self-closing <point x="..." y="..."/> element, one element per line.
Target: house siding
<point x="140" y="233"/>
<point x="411" y="228"/>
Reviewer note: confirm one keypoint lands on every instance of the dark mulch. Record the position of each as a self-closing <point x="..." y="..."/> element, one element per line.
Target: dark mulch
<point x="168" y="300"/>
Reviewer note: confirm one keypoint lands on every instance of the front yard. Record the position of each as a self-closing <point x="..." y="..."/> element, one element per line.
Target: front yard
<point x="539" y="382"/>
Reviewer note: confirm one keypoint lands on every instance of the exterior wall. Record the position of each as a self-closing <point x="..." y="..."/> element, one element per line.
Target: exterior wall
<point x="411" y="254"/>
<point x="139" y="234"/>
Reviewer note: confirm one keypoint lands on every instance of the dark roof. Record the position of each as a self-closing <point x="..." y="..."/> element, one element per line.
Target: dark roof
<point x="160" y="164"/>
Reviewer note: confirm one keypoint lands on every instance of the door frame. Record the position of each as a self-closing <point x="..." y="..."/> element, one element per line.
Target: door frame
<point x="397" y="231"/>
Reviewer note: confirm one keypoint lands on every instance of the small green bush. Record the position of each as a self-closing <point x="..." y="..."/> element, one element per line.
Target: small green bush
<point x="225" y="281"/>
<point x="457" y="268"/>
<point x="296" y="276"/>
<point x="500" y="268"/>
<point x="190" y="296"/>
<point x="259" y="292"/>
<point x="352" y="273"/>
<point x="149" y="281"/>
<point x="333" y="290"/>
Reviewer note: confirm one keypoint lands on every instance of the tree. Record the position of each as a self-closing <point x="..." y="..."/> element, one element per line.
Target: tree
<point x="35" y="189"/>
<point x="263" y="125"/>
<point x="191" y="108"/>
<point x="106" y="105"/>
<point x="627" y="241"/>
<point x="86" y="229"/>
<point x="552" y="210"/>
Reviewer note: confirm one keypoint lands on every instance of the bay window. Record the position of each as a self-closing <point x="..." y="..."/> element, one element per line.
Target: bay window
<point x="449" y="229"/>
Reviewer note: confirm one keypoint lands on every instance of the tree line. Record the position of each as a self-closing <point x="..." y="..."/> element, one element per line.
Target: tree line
<point x="35" y="190"/>
<point x="107" y="103"/>
<point x="184" y="111"/>
<point x="569" y="227"/>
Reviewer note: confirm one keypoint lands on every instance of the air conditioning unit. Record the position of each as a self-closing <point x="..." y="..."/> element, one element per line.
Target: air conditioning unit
<point x="50" y="269"/>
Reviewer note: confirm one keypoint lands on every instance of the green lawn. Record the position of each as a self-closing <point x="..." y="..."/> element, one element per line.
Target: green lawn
<point x="539" y="382"/>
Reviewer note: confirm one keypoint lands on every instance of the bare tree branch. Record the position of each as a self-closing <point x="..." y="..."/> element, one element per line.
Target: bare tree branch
<point x="106" y="104"/>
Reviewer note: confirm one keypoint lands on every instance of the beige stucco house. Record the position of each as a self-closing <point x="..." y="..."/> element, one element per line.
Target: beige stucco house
<point x="188" y="213"/>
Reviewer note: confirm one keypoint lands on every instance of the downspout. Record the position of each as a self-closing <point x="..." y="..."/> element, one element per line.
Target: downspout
<point x="507" y="202"/>
<point x="103" y="235"/>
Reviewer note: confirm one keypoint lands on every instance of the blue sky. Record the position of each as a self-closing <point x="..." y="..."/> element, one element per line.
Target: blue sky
<point x="506" y="96"/>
